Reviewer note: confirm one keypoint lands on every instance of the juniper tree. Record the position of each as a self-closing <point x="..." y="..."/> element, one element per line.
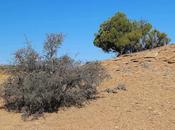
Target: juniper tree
<point x="122" y="35"/>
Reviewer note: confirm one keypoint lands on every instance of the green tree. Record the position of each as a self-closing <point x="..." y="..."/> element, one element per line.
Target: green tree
<point x="122" y="35"/>
<point x="156" y="39"/>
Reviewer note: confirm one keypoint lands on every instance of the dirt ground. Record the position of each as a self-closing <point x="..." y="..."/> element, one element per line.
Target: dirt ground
<point x="148" y="103"/>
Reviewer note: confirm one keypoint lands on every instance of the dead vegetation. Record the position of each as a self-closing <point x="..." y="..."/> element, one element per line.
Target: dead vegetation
<point x="117" y="88"/>
<point x="46" y="84"/>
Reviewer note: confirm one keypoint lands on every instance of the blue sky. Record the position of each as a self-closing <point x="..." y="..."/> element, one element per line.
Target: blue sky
<point x="77" y="19"/>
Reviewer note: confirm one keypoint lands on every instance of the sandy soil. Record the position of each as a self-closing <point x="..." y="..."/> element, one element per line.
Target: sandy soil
<point x="148" y="103"/>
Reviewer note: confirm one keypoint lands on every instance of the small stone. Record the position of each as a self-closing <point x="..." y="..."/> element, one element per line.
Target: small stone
<point x="150" y="108"/>
<point x="156" y="113"/>
<point x="116" y="127"/>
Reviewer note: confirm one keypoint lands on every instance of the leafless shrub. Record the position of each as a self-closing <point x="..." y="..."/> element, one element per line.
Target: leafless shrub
<point x="52" y="42"/>
<point x="45" y="84"/>
<point x="26" y="59"/>
<point x="45" y="91"/>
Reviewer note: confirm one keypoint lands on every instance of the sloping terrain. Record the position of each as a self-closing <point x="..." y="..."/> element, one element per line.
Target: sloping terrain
<point x="147" y="104"/>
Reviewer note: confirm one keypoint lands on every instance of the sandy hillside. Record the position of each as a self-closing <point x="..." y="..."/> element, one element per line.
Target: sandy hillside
<point x="148" y="103"/>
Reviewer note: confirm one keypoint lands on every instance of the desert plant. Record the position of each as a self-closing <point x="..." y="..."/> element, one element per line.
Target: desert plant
<point x="156" y="39"/>
<point x="44" y="85"/>
<point x="122" y="35"/>
<point x="26" y="59"/>
<point x="51" y="44"/>
<point x="38" y="92"/>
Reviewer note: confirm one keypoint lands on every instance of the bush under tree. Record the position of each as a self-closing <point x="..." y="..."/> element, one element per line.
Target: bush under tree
<point x="122" y="35"/>
<point x="46" y="84"/>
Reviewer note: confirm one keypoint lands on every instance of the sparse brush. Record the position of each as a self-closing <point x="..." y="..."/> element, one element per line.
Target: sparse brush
<point x="115" y="89"/>
<point x="45" y="84"/>
<point x="45" y="91"/>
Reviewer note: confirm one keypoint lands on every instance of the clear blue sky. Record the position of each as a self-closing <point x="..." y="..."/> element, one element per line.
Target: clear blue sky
<point x="77" y="19"/>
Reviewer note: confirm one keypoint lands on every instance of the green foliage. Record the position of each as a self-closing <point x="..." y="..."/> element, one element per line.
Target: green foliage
<point x="122" y="35"/>
<point x="156" y="39"/>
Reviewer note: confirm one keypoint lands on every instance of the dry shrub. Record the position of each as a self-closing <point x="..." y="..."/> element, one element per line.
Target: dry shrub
<point x="56" y="83"/>
<point x="45" y="83"/>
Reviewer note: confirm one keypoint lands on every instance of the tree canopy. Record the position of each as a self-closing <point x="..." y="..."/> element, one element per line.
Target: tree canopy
<point x="122" y="35"/>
